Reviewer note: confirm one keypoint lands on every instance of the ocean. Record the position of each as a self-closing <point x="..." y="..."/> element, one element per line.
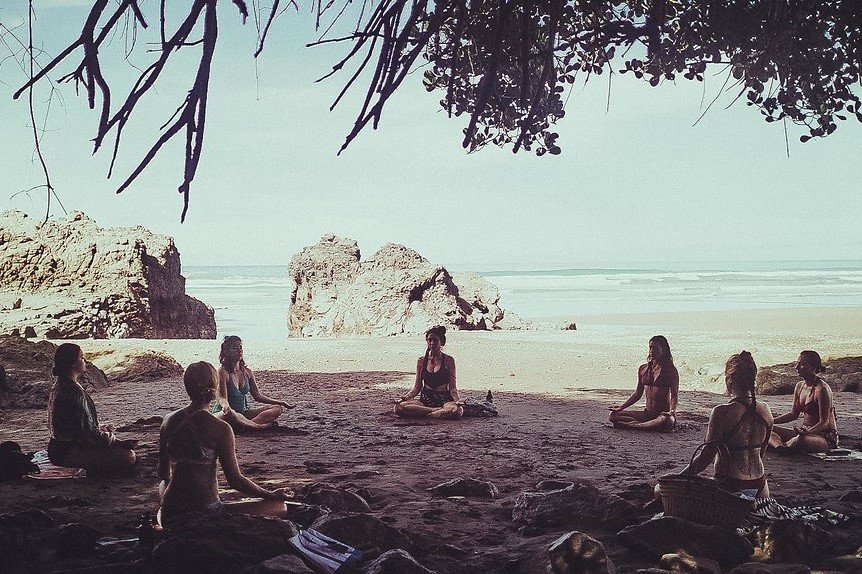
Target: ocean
<point x="253" y="301"/>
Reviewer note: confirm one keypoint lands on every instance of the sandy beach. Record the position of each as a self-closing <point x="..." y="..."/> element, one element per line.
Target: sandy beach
<point x="552" y="388"/>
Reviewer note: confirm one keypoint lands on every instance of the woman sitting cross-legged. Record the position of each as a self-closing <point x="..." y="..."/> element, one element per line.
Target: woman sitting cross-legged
<point x="435" y="383"/>
<point x="77" y="438"/>
<point x="659" y="380"/>
<point x="191" y="440"/>
<point x="236" y="382"/>
<point x="812" y="399"/>
<point x="737" y="433"/>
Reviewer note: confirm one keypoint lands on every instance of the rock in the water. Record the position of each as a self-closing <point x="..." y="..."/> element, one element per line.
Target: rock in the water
<point x="336" y="499"/>
<point x="396" y="561"/>
<point x="362" y="531"/>
<point x="395" y="291"/>
<point x="28" y="367"/>
<point x="793" y="541"/>
<point x="469" y="487"/>
<point x="576" y="505"/>
<point x="223" y="544"/>
<point x="284" y="564"/>
<point x="75" y="279"/>
<point x="577" y="553"/>
<point x="683" y="563"/>
<point x="842" y="374"/>
<point x="569" y="326"/>
<point x="136" y="366"/>
<point x="669" y="534"/>
<point x="764" y="568"/>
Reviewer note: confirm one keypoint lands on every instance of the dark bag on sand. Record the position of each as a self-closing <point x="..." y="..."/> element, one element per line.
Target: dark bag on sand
<point x="13" y="462"/>
<point x="483" y="409"/>
<point x="324" y="554"/>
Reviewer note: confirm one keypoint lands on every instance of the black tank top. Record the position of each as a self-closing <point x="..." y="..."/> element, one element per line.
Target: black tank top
<point x="438" y="379"/>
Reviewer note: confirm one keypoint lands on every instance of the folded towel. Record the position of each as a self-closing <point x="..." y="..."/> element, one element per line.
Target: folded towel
<point x="50" y="471"/>
<point x="838" y="454"/>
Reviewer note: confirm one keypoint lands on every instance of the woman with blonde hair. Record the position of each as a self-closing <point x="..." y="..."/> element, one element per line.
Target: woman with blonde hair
<point x="812" y="398"/>
<point x="191" y="440"/>
<point x="737" y="433"/>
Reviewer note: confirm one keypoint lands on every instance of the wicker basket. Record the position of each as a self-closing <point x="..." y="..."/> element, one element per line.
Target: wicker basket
<point x="702" y="500"/>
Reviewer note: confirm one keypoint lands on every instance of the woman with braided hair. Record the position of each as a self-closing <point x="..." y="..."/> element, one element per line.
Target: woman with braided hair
<point x="738" y="432"/>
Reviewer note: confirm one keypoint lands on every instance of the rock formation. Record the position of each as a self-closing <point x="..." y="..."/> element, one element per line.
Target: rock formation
<point x="395" y="291"/>
<point x="74" y="279"/>
<point x="842" y="374"/>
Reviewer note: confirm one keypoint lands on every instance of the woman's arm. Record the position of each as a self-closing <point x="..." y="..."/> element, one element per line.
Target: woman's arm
<point x="453" y="388"/>
<point x="260" y="397"/>
<point x="164" y="468"/>
<point x="636" y="395"/>
<point x="674" y="391"/>
<point x="230" y="466"/>
<point x="222" y="390"/>
<point x="709" y="450"/>
<point x="417" y="384"/>
<point x="795" y="409"/>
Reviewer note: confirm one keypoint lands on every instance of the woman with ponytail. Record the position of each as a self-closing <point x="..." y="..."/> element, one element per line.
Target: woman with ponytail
<point x="812" y="398"/>
<point x="191" y="440"/>
<point x="738" y="432"/>
<point x="77" y="438"/>
<point x="434" y="385"/>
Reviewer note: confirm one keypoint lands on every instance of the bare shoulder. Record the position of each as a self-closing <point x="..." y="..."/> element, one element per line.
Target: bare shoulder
<point x="450" y="360"/>
<point x="222" y="373"/>
<point x="249" y="373"/>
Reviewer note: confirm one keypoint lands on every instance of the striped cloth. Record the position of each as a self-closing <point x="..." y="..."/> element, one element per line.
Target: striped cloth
<point x="768" y="510"/>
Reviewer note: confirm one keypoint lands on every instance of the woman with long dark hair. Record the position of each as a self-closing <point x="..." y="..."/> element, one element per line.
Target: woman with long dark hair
<point x="738" y="432"/>
<point x="191" y="441"/>
<point x="658" y="379"/>
<point x="435" y="383"/>
<point x="236" y="382"/>
<point x="812" y="398"/>
<point x="77" y="438"/>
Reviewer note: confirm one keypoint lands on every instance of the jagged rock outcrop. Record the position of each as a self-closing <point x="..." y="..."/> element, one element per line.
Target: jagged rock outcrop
<point x="73" y="279"/>
<point x="842" y="374"/>
<point x="395" y="291"/>
<point x="27" y="366"/>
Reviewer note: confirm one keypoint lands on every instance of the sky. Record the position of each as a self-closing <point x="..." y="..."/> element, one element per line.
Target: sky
<point x="637" y="183"/>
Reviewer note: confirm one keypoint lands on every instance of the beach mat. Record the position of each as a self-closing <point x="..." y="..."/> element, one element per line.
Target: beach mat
<point x="838" y="454"/>
<point x="50" y="471"/>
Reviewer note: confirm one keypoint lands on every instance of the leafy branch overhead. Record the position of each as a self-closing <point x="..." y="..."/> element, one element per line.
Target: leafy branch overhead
<point x="506" y="64"/>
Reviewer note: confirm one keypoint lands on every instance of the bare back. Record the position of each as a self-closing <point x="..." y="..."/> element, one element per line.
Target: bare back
<point x="741" y="435"/>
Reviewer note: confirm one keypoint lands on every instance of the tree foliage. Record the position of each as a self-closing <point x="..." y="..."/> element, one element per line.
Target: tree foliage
<point x="506" y="64"/>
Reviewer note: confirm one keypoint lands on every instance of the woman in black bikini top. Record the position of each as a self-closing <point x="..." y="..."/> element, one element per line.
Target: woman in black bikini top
<point x="812" y="399"/>
<point x="738" y="432"/>
<point x="434" y="385"/>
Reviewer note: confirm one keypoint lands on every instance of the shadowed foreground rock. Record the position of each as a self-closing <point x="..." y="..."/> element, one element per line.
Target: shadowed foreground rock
<point x="395" y="562"/>
<point x="395" y="291"/>
<point x="469" y="487"/>
<point x="578" y="504"/>
<point x="223" y="544"/>
<point x="362" y="531"/>
<point x="73" y="279"/>
<point x="669" y="534"/>
<point x="578" y="553"/>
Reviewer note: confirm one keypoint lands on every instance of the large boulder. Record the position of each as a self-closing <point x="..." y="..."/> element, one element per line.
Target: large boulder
<point x="224" y="543"/>
<point x="395" y="291"/>
<point x="73" y="279"/>
<point x="669" y="534"/>
<point x="28" y="366"/>
<point x="576" y="505"/>
<point x="136" y="366"/>
<point x="842" y="374"/>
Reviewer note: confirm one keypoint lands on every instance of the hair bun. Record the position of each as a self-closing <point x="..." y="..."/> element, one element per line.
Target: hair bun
<point x="442" y="329"/>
